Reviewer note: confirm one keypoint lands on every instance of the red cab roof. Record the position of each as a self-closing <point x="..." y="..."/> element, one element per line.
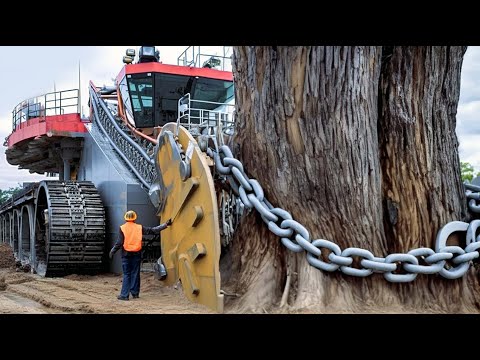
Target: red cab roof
<point x="156" y="67"/>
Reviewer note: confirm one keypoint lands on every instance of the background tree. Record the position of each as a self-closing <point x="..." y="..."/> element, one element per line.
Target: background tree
<point x="361" y="143"/>
<point x="7" y="194"/>
<point x="467" y="171"/>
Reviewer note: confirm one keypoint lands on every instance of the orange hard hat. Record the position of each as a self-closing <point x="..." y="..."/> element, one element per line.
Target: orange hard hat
<point x="130" y="215"/>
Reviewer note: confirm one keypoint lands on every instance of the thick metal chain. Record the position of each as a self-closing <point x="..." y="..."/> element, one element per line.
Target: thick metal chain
<point x="296" y="237"/>
<point x="473" y="195"/>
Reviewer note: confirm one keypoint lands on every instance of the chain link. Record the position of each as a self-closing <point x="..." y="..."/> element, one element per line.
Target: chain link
<point x="473" y="194"/>
<point x="395" y="267"/>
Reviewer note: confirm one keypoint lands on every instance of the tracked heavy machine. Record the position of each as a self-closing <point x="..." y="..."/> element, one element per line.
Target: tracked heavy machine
<point x="147" y="145"/>
<point x="157" y="142"/>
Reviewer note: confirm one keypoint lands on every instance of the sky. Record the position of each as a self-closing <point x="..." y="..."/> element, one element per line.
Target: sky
<point x="31" y="71"/>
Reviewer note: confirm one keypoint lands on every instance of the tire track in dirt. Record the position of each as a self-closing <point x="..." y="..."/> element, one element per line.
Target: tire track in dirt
<point x="53" y="297"/>
<point x="11" y="304"/>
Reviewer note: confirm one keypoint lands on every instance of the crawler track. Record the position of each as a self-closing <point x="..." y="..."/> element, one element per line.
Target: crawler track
<point x="72" y="240"/>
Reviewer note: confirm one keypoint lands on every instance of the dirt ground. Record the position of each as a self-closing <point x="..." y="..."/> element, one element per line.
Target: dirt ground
<point x="26" y="293"/>
<point x="6" y="256"/>
<point x="82" y="294"/>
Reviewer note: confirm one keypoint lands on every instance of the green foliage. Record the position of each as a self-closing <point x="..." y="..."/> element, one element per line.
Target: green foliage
<point x="467" y="171"/>
<point x="7" y="194"/>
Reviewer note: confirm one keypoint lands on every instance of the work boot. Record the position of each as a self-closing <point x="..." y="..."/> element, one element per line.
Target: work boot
<point x="135" y="296"/>
<point x="120" y="297"/>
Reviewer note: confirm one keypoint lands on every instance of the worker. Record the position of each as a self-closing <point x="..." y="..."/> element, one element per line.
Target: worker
<point x="130" y="239"/>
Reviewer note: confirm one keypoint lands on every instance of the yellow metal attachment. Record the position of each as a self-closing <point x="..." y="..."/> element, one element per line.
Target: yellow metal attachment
<point x="191" y="245"/>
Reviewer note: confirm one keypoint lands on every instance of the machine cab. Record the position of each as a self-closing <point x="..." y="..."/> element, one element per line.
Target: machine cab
<point x="149" y="91"/>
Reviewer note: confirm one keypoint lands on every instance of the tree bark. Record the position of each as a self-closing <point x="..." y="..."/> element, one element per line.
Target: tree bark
<point x="359" y="145"/>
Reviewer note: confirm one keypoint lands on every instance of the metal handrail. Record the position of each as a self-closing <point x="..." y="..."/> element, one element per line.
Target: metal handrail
<point x="195" y="118"/>
<point x="117" y="149"/>
<point x="198" y="58"/>
<point x="64" y="102"/>
<point x="140" y="150"/>
<point x="97" y="103"/>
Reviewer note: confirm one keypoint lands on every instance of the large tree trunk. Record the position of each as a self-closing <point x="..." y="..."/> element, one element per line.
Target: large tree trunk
<point x="359" y="145"/>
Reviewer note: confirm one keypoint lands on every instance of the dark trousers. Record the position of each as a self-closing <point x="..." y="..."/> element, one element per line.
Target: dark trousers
<point x="131" y="274"/>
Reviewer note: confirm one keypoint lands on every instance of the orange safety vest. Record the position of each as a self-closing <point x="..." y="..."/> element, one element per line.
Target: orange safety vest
<point x="132" y="236"/>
